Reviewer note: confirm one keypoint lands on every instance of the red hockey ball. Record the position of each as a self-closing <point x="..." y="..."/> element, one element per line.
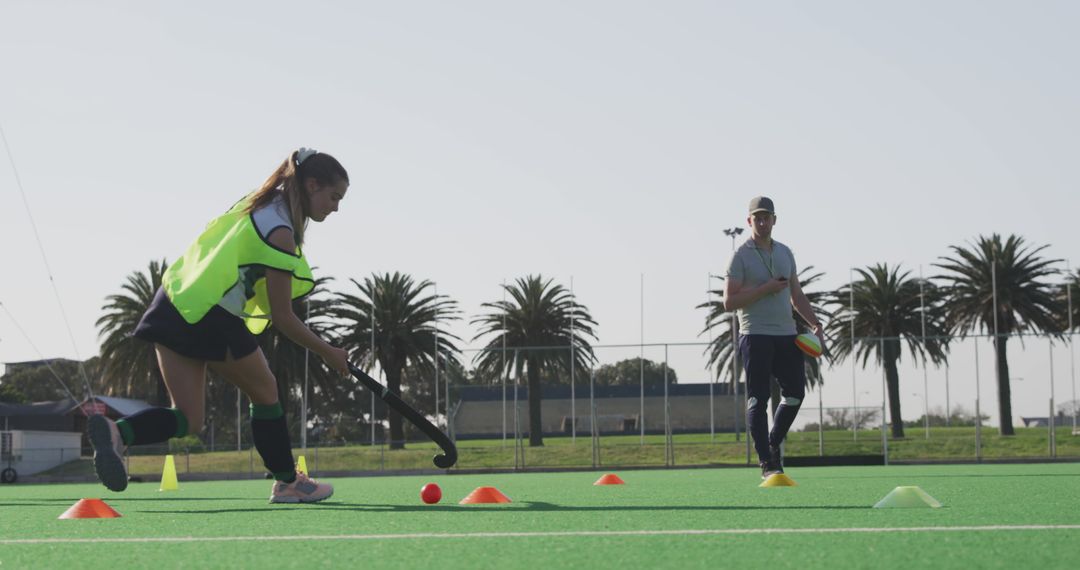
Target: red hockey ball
<point x="430" y="493"/>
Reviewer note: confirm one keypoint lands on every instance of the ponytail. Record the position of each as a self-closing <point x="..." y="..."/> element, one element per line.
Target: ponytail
<point x="289" y="179"/>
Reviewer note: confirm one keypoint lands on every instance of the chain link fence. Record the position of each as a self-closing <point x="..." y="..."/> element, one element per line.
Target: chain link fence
<point x="660" y="405"/>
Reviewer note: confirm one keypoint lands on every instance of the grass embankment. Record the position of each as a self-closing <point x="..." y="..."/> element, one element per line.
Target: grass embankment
<point x="944" y="444"/>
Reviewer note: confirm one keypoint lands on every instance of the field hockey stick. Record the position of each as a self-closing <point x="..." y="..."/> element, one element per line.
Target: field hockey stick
<point x="449" y="451"/>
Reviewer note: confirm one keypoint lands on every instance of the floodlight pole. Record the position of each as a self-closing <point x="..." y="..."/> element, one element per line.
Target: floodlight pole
<point x="926" y="381"/>
<point x="708" y="329"/>
<point x="641" y="362"/>
<point x="505" y="371"/>
<point x="669" y="453"/>
<point x="593" y="432"/>
<point x="519" y="451"/>
<point x="573" y="401"/>
<point x="733" y="233"/>
<point x="734" y="368"/>
<point x="997" y="339"/>
<point x="1072" y="363"/>
<point x="1050" y="420"/>
<point x="884" y="394"/>
<point x="948" y="412"/>
<point x="1072" y="371"/>
<point x="436" y="360"/>
<point x="371" y="424"/>
<point x="978" y="410"/>
<point x="851" y="321"/>
<point x="303" y="399"/>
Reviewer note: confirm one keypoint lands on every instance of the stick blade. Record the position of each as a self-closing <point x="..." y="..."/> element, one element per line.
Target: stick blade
<point x="445" y="461"/>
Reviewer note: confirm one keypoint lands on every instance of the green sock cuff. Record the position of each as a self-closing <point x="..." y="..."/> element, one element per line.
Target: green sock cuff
<point x="181" y="422"/>
<point x="126" y="432"/>
<point x="267" y="412"/>
<point x="285" y="476"/>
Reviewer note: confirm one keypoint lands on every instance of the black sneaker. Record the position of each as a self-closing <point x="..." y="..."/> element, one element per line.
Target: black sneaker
<point x="108" y="452"/>
<point x="776" y="457"/>
<point x="768" y="469"/>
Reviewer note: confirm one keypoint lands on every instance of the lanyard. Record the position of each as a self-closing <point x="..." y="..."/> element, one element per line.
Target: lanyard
<point x="769" y="264"/>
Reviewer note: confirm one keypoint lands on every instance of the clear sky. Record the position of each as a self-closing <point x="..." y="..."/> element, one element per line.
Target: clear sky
<point x="593" y="140"/>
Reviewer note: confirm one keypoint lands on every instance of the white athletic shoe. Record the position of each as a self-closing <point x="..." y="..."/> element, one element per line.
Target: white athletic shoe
<point x="302" y="490"/>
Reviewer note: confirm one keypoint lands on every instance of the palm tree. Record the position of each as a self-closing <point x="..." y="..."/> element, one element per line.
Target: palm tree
<point x="406" y="331"/>
<point x="129" y="366"/>
<point x="888" y="310"/>
<point x="1025" y="301"/>
<point x="719" y="320"/>
<point x="542" y="320"/>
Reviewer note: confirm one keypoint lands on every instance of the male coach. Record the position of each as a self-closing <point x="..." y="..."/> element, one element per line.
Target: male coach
<point x="763" y="285"/>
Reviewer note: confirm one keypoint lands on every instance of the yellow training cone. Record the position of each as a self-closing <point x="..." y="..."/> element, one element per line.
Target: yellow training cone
<point x="301" y="465"/>
<point x="778" y="480"/>
<point x="168" y="476"/>
<point x="908" y="498"/>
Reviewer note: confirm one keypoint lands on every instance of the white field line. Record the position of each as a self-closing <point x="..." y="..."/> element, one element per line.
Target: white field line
<point x="568" y="533"/>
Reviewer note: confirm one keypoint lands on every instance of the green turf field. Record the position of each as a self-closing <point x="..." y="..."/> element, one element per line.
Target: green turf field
<point x="1005" y="516"/>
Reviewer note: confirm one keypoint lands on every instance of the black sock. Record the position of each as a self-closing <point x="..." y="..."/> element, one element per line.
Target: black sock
<point x="782" y="421"/>
<point x="271" y="435"/>
<point x="153" y="425"/>
<point x="757" y="417"/>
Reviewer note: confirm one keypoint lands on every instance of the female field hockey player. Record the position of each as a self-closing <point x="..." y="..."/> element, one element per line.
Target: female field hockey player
<point x="245" y="268"/>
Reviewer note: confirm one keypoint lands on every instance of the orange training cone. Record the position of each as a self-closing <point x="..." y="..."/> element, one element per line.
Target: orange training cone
<point x="90" y="509"/>
<point x="484" y="495"/>
<point x="610" y="479"/>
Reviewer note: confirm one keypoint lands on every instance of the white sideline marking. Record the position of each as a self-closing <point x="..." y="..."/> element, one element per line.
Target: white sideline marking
<point x="607" y="533"/>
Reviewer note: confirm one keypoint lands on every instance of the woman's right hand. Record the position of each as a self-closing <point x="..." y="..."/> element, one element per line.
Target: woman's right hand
<point x="337" y="359"/>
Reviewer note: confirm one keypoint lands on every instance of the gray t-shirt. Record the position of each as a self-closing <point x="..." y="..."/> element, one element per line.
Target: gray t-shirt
<point x="752" y="266"/>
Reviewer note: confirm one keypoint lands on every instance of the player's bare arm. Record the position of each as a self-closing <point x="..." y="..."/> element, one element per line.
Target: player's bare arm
<point x="803" y="307"/>
<point x="736" y="297"/>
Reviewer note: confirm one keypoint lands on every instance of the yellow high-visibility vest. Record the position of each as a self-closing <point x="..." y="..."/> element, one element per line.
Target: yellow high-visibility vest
<point x="211" y="267"/>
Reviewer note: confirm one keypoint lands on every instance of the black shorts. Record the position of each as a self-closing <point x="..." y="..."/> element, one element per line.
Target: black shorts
<point x="766" y="357"/>
<point x="217" y="335"/>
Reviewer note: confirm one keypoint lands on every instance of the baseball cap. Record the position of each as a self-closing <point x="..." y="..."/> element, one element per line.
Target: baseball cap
<point x="761" y="204"/>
